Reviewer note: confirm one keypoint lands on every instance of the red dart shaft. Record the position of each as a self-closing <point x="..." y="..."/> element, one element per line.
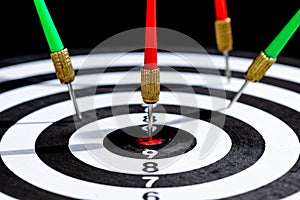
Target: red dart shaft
<point x="221" y="9"/>
<point x="150" y="54"/>
<point x="150" y="73"/>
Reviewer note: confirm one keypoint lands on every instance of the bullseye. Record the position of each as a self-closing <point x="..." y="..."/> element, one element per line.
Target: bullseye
<point x="150" y="141"/>
<point x="167" y="141"/>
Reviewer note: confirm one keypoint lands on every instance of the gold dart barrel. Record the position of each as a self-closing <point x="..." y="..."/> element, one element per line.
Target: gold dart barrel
<point x="63" y="66"/>
<point x="259" y="67"/>
<point x="150" y="85"/>
<point x="223" y="34"/>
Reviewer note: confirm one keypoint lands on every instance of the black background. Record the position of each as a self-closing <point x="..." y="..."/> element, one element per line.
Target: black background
<point x="82" y="25"/>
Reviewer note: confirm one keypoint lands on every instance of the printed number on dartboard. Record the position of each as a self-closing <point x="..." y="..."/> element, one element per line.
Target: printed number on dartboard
<point x="146" y="119"/>
<point x="151" y="196"/>
<point x="150" y="167"/>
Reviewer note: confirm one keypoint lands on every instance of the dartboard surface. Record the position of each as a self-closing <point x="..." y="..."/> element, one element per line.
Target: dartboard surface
<point x="203" y="151"/>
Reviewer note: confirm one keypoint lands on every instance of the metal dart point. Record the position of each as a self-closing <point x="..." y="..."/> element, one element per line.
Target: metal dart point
<point x="227" y="70"/>
<point x="73" y="98"/>
<point x="237" y="96"/>
<point x="150" y="123"/>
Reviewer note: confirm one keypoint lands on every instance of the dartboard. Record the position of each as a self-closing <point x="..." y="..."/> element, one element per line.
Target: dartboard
<point x="203" y="151"/>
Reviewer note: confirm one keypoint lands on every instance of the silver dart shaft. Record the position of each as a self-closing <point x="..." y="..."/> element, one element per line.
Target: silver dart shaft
<point x="237" y="96"/>
<point x="73" y="98"/>
<point x="150" y="108"/>
<point x="227" y="70"/>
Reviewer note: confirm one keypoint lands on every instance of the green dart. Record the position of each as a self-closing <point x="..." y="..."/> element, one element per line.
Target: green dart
<point x="265" y="59"/>
<point x="60" y="55"/>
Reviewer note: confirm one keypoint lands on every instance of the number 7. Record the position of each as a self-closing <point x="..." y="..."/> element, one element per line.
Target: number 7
<point x="152" y="180"/>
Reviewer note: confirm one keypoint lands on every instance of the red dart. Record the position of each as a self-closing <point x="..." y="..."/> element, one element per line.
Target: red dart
<point x="150" y="54"/>
<point x="221" y="9"/>
<point x="223" y="32"/>
<point x="150" y="73"/>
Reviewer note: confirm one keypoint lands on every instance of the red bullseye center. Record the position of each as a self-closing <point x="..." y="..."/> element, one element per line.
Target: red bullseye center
<point x="149" y="141"/>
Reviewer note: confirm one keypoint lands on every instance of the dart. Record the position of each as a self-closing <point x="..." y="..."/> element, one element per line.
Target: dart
<point x="265" y="59"/>
<point x="150" y="83"/>
<point x="59" y="55"/>
<point x="223" y="32"/>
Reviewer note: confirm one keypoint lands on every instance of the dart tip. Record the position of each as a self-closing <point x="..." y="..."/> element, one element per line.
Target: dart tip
<point x="237" y="96"/>
<point x="73" y="98"/>
<point x="227" y="70"/>
<point x="228" y="78"/>
<point x="229" y="105"/>
<point x="78" y="114"/>
<point x="150" y="107"/>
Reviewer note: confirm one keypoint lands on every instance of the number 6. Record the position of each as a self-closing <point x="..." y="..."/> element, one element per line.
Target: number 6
<point x="151" y="196"/>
